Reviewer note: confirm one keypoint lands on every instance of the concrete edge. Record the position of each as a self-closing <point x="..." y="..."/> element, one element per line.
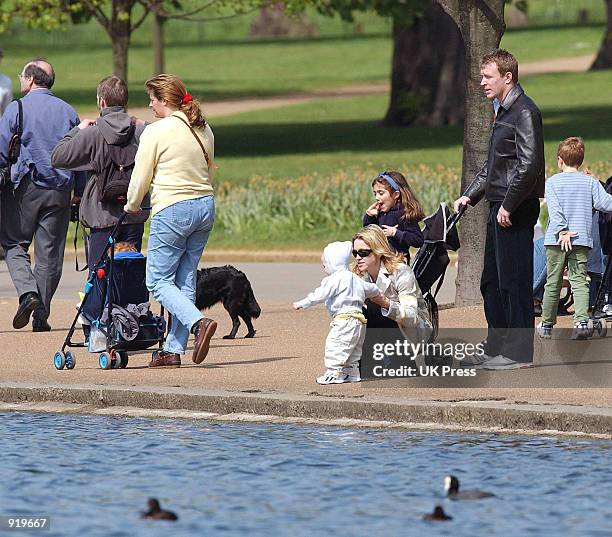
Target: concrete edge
<point x="490" y="416"/>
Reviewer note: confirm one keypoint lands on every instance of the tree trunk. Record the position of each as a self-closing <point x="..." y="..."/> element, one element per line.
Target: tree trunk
<point x="119" y="31"/>
<point x="481" y="25"/>
<point x="120" y="56"/>
<point x="428" y="71"/>
<point x="158" y="44"/>
<point x="604" y="56"/>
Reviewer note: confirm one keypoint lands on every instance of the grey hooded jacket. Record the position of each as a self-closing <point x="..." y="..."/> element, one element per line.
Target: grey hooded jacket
<point x="85" y="149"/>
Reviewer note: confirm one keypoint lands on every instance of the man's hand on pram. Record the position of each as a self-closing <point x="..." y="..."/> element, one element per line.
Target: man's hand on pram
<point x="463" y="200"/>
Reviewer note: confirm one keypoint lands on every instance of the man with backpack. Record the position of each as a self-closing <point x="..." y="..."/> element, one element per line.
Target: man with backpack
<point x="106" y="147"/>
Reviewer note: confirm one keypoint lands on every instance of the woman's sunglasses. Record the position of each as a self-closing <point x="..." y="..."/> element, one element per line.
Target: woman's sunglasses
<point x="361" y="253"/>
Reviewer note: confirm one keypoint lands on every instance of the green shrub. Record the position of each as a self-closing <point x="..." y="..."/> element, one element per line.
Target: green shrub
<point x="313" y="209"/>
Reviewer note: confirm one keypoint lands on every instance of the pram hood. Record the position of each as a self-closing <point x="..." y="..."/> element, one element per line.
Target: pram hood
<point x="437" y="228"/>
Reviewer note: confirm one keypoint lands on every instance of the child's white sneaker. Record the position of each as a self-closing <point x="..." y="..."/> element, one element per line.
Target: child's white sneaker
<point x="352" y="373"/>
<point x="582" y="330"/>
<point x="332" y="377"/>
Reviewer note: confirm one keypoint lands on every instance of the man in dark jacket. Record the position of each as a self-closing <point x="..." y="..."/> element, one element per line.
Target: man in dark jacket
<point x="87" y="147"/>
<point x="36" y="206"/>
<point x="512" y="181"/>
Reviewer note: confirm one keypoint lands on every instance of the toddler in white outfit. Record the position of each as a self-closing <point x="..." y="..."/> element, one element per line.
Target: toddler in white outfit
<point x="344" y="294"/>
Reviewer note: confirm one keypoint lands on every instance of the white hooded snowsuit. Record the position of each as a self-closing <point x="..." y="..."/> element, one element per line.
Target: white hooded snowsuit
<point x="344" y="294"/>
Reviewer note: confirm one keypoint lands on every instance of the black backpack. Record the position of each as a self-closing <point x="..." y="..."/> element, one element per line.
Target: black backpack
<point x="114" y="176"/>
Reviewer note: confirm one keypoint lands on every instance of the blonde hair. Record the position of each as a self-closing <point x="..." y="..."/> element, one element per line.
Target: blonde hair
<point x="377" y="241"/>
<point x="171" y="89"/>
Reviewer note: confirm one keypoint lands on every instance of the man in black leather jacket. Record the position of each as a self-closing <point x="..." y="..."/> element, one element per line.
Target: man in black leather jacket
<point x="512" y="181"/>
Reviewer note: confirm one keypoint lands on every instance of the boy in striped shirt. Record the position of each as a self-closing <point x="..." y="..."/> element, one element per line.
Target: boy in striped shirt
<point x="571" y="197"/>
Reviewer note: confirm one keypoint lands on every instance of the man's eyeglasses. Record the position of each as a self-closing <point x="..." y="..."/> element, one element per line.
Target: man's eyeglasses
<point x="361" y="253"/>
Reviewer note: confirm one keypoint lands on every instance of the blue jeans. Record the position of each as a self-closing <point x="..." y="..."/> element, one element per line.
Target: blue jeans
<point x="176" y="241"/>
<point x="539" y="268"/>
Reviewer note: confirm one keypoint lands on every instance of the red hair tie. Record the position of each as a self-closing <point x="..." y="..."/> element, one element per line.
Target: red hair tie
<point x="187" y="98"/>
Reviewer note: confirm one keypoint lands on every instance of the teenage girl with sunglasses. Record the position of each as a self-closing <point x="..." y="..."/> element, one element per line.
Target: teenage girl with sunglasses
<point x="397" y="211"/>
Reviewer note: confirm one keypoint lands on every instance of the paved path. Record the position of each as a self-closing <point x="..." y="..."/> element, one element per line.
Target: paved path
<point x="276" y="370"/>
<point x="272" y="282"/>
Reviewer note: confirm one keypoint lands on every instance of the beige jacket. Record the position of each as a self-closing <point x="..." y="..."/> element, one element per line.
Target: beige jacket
<point x="408" y="308"/>
<point x="171" y="163"/>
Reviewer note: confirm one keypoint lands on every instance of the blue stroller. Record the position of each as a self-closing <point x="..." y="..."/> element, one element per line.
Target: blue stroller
<point x="115" y="304"/>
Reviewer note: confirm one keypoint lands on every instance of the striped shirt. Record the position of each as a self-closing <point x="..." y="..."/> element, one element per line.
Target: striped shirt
<point x="571" y="198"/>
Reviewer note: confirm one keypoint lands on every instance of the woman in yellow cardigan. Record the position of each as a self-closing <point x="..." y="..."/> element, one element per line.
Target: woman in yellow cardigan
<point x="174" y="160"/>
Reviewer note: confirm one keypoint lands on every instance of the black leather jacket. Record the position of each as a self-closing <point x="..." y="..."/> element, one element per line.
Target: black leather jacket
<point x="514" y="170"/>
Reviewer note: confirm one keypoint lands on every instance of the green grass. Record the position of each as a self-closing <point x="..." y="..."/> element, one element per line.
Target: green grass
<point x="298" y="176"/>
<point x="220" y="70"/>
<point x="530" y="45"/>
<point x="315" y="160"/>
<point x="561" y="12"/>
<point x="330" y="137"/>
<point x="178" y="32"/>
<point x="324" y="137"/>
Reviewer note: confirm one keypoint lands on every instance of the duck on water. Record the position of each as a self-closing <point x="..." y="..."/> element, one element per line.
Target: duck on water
<point x="451" y="487"/>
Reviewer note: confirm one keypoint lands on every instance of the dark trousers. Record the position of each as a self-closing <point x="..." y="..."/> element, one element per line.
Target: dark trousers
<point x="379" y="330"/>
<point x="507" y="283"/>
<point x="98" y="239"/>
<point x="40" y="215"/>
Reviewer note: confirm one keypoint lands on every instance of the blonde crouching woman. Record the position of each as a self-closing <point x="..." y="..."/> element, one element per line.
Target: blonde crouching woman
<point x="401" y="313"/>
<point x="175" y="160"/>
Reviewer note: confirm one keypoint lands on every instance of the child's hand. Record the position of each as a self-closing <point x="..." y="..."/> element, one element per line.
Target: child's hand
<point x="389" y="231"/>
<point x="373" y="209"/>
<point x="565" y="240"/>
<point x="296" y="306"/>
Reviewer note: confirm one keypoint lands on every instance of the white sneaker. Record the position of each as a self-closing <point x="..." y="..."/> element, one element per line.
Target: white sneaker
<point x="332" y="377"/>
<point x="499" y="362"/>
<point x="474" y="360"/>
<point x="582" y="330"/>
<point x="352" y="373"/>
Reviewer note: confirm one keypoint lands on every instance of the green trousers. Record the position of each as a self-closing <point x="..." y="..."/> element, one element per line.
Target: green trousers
<point x="576" y="261"/>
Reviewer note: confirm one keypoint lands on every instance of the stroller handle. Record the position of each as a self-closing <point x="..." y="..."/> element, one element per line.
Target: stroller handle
<point x="453" y="219"/>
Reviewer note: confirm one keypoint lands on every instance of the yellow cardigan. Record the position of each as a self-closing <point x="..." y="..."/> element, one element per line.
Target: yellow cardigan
<point x="170" y="162"/>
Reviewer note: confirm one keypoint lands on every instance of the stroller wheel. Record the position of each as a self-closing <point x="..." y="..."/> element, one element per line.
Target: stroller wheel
<point x="600" y="327"/>
<point x="59" y="360"/>
<point x="123" y="356"/>
<point x="70" y="360"/>
<point x="115" y="359"/>
<point x="104" y="360"/>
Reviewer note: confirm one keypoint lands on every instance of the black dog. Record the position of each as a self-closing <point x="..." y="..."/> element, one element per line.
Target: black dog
<point x="231" y="287"/>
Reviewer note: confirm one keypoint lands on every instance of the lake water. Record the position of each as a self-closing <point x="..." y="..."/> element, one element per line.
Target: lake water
<point x="92" y="475"/>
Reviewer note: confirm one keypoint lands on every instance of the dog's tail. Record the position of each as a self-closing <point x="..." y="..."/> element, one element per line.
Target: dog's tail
<point x="254" y="308"/>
